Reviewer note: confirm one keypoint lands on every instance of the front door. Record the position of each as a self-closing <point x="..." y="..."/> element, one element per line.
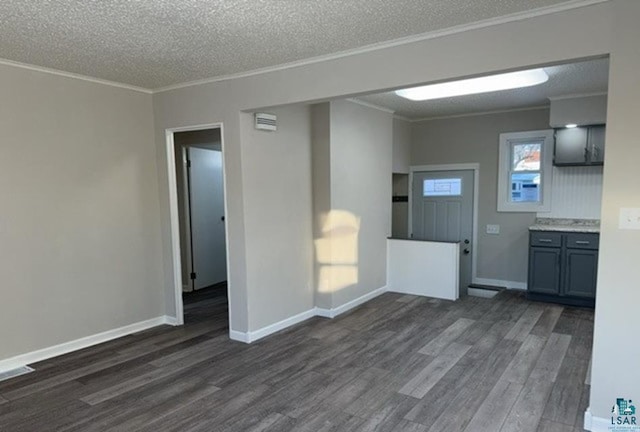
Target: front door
<point x="442" y="210"/>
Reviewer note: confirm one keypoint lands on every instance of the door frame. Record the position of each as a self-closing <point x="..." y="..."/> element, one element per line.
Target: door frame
<point x="475" y="167"/>
<point x="174" y="212"/>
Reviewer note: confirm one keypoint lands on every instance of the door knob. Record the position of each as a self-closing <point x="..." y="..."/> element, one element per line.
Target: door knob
<point x="222" y="218"/>
<point x="466" y="241"/>
<point x="467" y="251"/>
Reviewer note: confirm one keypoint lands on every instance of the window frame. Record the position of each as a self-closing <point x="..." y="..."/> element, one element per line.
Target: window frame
<point x="505" y="169"/>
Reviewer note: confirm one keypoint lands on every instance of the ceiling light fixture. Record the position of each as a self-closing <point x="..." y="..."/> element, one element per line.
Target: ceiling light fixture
<point x="470" y="86"/>
<point x="571" y="126"/>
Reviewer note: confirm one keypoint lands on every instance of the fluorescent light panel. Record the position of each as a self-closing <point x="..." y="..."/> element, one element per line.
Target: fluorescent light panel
<point x="470" y="86"/>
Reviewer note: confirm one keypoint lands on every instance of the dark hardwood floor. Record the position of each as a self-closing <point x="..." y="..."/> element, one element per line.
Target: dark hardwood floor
<point x="397" y="363"/>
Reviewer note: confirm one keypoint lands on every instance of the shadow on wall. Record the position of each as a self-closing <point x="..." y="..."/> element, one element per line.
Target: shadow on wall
<point x="336" y="254"/>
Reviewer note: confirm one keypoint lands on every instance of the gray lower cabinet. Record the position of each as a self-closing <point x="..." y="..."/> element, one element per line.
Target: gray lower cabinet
<point x="580" y="273"/>
<point x="544" y="270"/>
<point x="563" y="267"/>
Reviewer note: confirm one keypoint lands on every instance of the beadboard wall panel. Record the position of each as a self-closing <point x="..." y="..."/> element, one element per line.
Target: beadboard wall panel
<point x="576" y="193"/>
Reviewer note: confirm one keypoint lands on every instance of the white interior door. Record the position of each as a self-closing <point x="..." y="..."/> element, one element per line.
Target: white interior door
<point x="442" y="210"/>
<point x="207" y="217"/>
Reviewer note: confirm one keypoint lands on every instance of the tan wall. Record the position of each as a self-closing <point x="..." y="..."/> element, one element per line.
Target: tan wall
<point x="81" y="246"/>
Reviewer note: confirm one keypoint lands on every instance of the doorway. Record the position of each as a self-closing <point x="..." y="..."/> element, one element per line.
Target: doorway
<point x="443" y="203"/>
<point x="198" y="217"/>
<point x="203" y="243"/>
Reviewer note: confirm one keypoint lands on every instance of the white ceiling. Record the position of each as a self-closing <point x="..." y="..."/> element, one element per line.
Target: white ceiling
<point x="157" y="43"/>
<point x="569" y="79"/>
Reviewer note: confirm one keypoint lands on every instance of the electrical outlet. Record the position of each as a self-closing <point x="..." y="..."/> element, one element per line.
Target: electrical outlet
<point x="493" y="229"/>
<point x="630" y="218"/>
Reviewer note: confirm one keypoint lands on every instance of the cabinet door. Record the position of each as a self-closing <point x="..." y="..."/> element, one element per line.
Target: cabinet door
<point x="596" y="144"/>
<point x="571" y="146"/>
<point x="544" y="270"/>
<point x="581" y="267"/>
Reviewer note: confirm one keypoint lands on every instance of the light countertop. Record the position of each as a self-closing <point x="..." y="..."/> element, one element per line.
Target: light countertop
<point x="567" y="225"/>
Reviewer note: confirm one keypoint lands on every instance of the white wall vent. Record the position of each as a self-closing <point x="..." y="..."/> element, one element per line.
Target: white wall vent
<point x="265" y="121"/>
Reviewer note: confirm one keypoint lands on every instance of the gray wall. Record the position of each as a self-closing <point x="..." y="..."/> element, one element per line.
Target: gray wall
<point x="321" y="186"/>
<point x="277" y="179"/>
<point x="401" y="146"/>
<point x="352" y="154"/>
<point x="80" y="222"/>
<point x="128" y="269"/>
<point x="571" y="34"/>
<point x="618" y="270"/>
<point x="361" y="158"/>
<point x="475" y="139"/>
<point x="423" y="61"/>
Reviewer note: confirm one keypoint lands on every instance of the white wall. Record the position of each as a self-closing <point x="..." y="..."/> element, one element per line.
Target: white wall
<point x="576" y="193"/>
<point x="80" y="222"/>
<point x="277" y="175"/>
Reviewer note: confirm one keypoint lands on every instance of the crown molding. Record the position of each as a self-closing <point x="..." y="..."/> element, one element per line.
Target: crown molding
<point x="81" y="77"/>
<point x="480" y="113"/>
<point x="403" y="118"/>
<point x="577" y="96"/>
<point x="370" y="105"/>
<point x="518" y="16"/>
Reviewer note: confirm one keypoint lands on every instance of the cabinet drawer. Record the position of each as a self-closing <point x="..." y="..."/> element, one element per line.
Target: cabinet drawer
<point x="583" y="241"/>
<point x="546" y="239"/>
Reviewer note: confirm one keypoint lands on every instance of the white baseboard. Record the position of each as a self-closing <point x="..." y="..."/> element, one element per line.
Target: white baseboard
<point x="252" y="336"/>
<point x="78" y="344"/>
<point x="498" y="282"/>
<point x="246" y="337"/>
<point x="596" y="424"/>
<point x="239" y="336"/>
<point x="172" y="321"/>
<point x="334" y="312"/>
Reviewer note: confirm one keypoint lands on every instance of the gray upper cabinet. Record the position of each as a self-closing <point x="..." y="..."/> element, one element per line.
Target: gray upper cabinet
<point x="596" y="144"/>
<point x="579" y="146"/>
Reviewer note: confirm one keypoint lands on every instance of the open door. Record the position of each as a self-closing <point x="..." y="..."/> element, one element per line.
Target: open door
<point x="207" y="218"/>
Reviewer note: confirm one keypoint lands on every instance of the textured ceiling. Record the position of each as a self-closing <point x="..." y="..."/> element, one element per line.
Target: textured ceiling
<point x="156" y="43"/>
<point x="569" y="79"/>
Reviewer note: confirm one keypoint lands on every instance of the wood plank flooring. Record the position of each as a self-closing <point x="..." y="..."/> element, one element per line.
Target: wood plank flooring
<point x="397" y="363"/>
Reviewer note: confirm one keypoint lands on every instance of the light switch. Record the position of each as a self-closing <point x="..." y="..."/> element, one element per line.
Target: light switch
<point x="493" y="229"/>
<point x="630" y="218"/>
